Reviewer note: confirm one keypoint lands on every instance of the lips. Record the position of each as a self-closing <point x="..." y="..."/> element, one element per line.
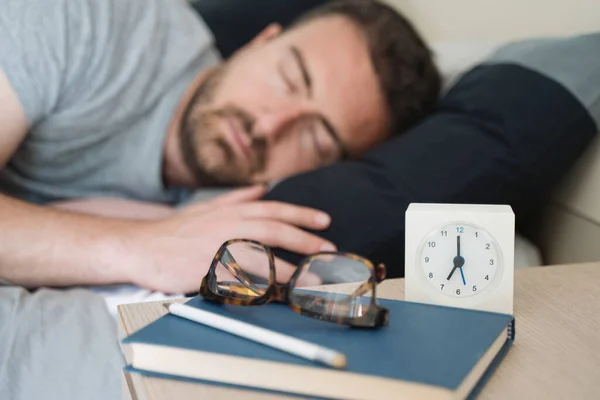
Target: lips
<point x="238" y="139"/>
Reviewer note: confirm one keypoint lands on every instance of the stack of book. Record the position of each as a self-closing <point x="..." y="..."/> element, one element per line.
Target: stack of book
<point x="425" y="352"/>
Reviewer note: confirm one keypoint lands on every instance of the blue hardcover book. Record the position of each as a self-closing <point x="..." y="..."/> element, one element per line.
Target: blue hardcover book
<point x="426" y="351"/>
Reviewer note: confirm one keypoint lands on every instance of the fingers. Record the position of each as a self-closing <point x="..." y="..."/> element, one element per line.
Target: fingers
<point x="242" y="204"/>
<point x="258" y="266"/>
<point x="245" y="264"/>
<point x="285" y="270"/>
<point x="292" y="214"/>
<point x="224" y="202"/>
<point x="244" y="195"/>
<point x="285" y="236"/>
<point x="250" y="267"/>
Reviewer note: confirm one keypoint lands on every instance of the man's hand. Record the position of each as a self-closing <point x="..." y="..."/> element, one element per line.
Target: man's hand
<point x="43" y="246"/>
<point x="173" y="255"/>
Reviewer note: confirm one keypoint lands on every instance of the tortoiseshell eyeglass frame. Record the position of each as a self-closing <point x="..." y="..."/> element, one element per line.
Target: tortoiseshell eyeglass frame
<point x="375" y="317"/>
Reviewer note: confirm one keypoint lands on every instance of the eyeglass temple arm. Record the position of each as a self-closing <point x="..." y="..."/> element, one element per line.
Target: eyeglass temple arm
<point x="232" y="266"/>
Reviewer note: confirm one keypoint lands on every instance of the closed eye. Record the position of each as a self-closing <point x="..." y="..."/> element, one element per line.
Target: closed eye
<point x="324" y="147"/>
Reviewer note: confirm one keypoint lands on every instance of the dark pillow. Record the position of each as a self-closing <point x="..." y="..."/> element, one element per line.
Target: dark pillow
<point x="505" y="133"/>
<point x="235" y="22"/>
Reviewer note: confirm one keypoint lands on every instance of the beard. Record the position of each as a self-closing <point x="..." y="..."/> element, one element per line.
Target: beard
<point x="206" y="153"/>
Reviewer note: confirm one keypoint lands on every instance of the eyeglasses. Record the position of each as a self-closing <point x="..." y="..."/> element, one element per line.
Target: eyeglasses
<point x="243" y="273"/>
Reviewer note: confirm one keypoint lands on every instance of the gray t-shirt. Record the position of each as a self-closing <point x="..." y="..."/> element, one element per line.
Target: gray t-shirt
<point x="99" y="81"/>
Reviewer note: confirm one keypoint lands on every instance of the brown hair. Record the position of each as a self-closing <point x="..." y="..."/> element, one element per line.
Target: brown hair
<point x="404" y="64"/>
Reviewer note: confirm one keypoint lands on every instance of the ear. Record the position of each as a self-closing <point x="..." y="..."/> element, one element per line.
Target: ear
<point x="270" y="32"/>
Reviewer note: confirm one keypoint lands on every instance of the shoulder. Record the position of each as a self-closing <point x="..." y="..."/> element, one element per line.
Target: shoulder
<point x="133" y="51"/>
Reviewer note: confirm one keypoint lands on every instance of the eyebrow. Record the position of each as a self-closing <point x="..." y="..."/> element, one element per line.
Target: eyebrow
<point x="305" y="75"/>
<point x="299" y="57"/>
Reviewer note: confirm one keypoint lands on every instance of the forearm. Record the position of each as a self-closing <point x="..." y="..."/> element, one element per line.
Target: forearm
<point x="116" y="208"/>
<point x="41" y="246"/>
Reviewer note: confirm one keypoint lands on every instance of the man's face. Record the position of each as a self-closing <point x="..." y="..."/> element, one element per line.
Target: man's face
<point x="285" y="104"/>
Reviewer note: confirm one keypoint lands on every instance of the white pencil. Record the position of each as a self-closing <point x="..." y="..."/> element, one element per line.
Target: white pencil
<point x="267" y="337"/>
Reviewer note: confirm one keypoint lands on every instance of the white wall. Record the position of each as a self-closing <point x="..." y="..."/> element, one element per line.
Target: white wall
<point x="500" y="19"/>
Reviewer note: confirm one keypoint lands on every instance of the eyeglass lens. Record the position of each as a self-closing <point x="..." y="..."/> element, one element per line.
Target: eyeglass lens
<point x="348" y="293"/>
<point x="242" y="271"/>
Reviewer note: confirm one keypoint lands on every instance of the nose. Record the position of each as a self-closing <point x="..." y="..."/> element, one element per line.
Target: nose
<point x="271" y="124"/>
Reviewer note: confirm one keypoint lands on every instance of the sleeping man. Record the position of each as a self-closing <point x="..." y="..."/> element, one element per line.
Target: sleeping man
<point x="123" y="108"/>
<point x="130" y="109"/>
<point x="114" y="112"/>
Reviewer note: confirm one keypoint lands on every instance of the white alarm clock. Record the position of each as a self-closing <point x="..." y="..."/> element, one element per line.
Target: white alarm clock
<point x="460" y="255"/>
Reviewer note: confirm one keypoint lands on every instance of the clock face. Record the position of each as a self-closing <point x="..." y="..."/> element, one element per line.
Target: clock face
<point x="460" y="260"/>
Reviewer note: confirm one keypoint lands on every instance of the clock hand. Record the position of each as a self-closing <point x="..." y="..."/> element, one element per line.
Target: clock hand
<point x="458" y="260"/>
<point x="463" y="260"/>
<point x="452" y="272"/>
